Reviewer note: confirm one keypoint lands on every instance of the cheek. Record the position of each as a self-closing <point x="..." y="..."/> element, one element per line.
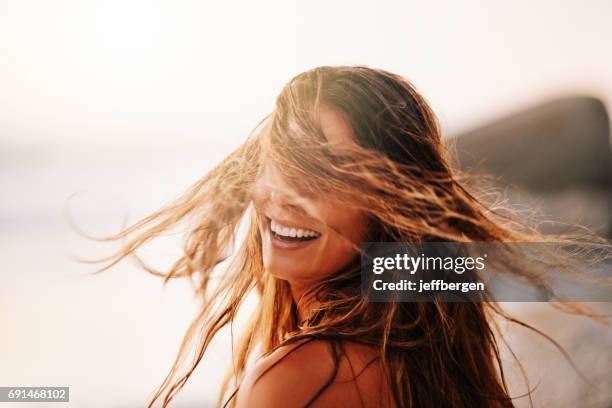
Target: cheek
<point x="347" y="230"/>
<point x="261" y="192"/>
<point x="347" y="223"/>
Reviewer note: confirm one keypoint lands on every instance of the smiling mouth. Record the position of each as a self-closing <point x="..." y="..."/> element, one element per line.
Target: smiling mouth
<point x="288" y="234"/>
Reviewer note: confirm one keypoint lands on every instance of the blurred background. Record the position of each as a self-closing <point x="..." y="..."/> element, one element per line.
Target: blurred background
<point x="109" y="109"/>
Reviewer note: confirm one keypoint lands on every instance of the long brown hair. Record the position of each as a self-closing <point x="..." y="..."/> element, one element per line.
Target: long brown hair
<point x="399" y="174"/>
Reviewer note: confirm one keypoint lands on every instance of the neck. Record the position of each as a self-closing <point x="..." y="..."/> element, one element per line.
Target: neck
<point x="304" y="301"/>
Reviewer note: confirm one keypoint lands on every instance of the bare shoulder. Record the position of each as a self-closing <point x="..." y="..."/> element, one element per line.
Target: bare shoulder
<point x="313" y="373"/>
<point x="288" y="376"/>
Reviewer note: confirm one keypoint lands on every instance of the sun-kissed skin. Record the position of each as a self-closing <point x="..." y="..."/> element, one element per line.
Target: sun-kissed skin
<point x="291" y="381"/>
<point x="295" y="379"/>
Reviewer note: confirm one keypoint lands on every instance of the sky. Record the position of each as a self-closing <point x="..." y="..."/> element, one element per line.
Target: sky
<point x="91" y="76"/>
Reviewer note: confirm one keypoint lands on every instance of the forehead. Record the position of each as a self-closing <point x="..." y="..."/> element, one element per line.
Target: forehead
<point x="336" y="128"/>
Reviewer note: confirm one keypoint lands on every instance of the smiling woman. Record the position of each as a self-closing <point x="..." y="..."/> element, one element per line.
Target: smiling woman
<point x="349" y="155"/>
<point x="331" y="231"/>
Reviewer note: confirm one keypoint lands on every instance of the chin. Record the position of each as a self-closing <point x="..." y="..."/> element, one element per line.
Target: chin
<point x="286" y="271"/>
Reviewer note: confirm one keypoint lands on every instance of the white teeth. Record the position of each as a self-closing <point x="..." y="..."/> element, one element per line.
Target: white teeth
<point x="291" y="232"/>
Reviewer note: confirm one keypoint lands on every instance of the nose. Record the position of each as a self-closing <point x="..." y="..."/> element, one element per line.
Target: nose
<point x="276" y="194"/>
<point x="270" y="188"/>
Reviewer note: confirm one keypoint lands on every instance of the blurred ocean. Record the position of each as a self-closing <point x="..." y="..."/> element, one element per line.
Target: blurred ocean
<point x="110" y="337"/>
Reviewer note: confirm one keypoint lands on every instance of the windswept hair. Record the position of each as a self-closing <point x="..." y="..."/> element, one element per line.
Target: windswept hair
<point x="398" y="172"/>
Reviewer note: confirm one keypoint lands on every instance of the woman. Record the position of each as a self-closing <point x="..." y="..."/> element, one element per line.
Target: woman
<point x="350" y="154"/>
